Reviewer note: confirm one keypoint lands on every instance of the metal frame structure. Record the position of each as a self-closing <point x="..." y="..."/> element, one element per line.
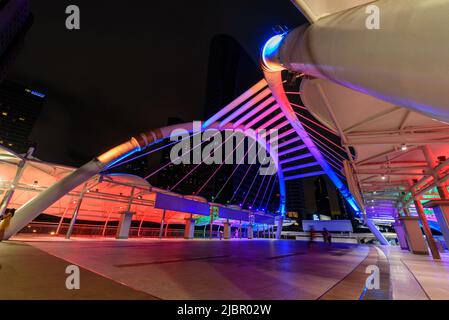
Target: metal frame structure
<point x="391" y="121"/>
<point x="47" y="197"/>
<point x="256" y="109"/>
<point x="101" y="198"/>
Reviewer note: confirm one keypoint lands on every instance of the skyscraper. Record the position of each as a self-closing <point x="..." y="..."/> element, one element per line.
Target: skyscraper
<point x="322" y="197"/>
<point x="19" y="109"/>
<point x="169" y="177"/>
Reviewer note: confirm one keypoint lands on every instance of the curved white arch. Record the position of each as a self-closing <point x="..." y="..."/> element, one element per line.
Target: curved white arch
<point x="37" y="205"/>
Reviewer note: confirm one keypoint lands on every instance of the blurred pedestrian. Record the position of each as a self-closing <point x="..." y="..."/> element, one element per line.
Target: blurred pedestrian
<point x="312" y="235"/>
<point x="327" y="236"/>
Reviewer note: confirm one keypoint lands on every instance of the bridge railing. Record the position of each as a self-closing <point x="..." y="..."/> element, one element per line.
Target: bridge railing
<point x="94" y="230"/>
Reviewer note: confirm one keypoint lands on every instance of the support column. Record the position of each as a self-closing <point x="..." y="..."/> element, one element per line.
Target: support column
<point x="240" y="229"/>
<point x="441" y="210"/>
<point x="379" y="236"/>
<point x="406" y="211"/>
<point x="106" y="223"/>
<point x="250" y="231"/>
<point x="161" y="228"/>
<point x="140" y="225"/>
<point x="211" y="223"/>
<point x="227" y="230"/>
<point x="61" y="220"/>
<point x="5" y="220"/>
<point x="429" y="237"/>
<point x="189" y="231"/>
<point x="400" y="232"/>
<point x="124" y="224"/>
<point x="166" y="230"/>
<point x="125" y="219"/>
<point x="75" y="212"/>
<point x="413" y="234"/>
<point x="19" y="172"/>
<point x="280" y="222"/>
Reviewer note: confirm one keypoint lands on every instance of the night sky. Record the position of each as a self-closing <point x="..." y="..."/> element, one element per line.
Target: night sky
<point x="132" y="65"/>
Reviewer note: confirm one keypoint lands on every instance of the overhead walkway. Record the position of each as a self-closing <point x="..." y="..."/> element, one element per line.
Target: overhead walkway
<point x="295" y="155"/>
<point x="370" y="91"/>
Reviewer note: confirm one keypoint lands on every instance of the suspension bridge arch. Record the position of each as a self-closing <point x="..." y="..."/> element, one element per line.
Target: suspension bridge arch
<point x="302" y="153"/>
<point x="113" y="158"/>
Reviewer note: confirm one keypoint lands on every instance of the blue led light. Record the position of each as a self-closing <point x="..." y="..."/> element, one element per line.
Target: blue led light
<point x="270" y="49"/>
<point x="36" y="93"/>
<point x="123" y="157"/>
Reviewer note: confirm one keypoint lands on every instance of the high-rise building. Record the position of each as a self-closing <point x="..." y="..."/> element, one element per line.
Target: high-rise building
<point x="15" y="19"/>
<point x="169" y="177"/>
<point x="295" y="198"/>
<point x="322" y="197"/>
<point x="19" y="109"/>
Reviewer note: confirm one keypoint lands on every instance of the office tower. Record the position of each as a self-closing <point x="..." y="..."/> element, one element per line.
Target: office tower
<point x="20" y="108"/>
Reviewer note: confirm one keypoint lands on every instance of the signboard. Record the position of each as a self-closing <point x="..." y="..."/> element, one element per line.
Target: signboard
<point x="233" y="214"/>
<point x="330" y="225"/>
<point x="264" y="219"/>
<point x="174" y="203"/>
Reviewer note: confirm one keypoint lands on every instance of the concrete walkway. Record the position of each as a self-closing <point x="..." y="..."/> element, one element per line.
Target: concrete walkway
<point x="29" y="273"/>
<point x="204" y="269"/>
<point x="242" y="269"/>
<point x="418" y="277"/>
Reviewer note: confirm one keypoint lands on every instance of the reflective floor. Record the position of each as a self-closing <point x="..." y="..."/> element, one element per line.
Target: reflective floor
<point x="237" y="269"/>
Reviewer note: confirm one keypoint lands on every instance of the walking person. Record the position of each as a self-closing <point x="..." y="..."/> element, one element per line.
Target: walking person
<point x="312" y="235"/>
<point x="327" y="236"/>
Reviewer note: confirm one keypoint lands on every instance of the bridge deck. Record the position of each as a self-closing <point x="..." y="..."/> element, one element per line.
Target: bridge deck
<point x="198" y="269"/>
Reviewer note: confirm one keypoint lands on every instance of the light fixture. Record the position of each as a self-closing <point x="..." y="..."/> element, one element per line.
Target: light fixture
<point x="383" y="177"/>
<point x="404" y="147"/>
